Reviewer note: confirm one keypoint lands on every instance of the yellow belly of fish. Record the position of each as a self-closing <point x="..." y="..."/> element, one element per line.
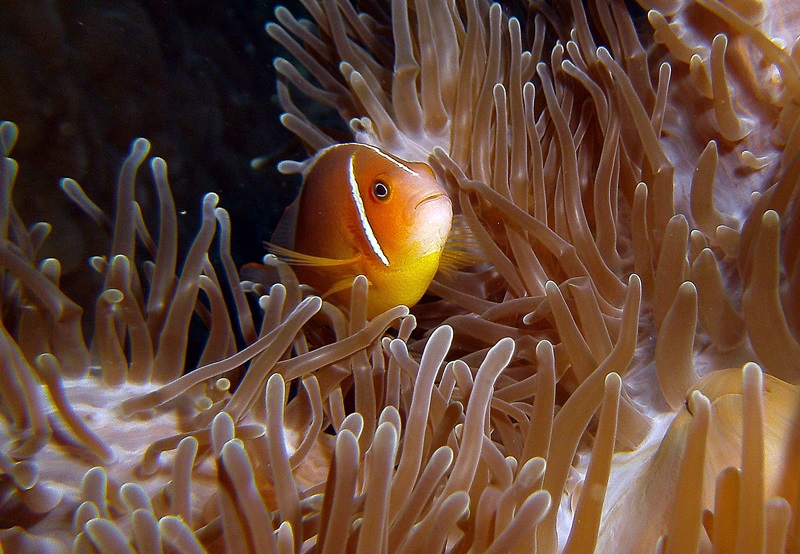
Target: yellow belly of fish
<point x="402" y="283"/>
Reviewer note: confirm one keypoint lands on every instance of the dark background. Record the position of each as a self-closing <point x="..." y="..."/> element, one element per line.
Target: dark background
<point x="83" y="78"/>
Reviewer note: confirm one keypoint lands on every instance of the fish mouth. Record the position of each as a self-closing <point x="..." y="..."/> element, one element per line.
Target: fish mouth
<point x="430" y="198"/>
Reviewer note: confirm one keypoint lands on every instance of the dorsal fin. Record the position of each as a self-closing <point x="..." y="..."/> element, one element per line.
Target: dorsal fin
<point x="283" y="235"/>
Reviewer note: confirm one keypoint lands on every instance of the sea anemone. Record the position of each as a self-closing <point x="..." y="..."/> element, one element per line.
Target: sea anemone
<point x="617" y="374"/>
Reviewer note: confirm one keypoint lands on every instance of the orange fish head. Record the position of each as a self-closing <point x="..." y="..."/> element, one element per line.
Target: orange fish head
<point x="408" y="211"/>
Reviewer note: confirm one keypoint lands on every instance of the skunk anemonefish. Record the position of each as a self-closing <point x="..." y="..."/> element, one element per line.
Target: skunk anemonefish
<point x="363" y="211"/>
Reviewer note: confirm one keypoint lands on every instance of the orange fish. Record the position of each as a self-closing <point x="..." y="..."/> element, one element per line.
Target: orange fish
<point x="364" y="211"/>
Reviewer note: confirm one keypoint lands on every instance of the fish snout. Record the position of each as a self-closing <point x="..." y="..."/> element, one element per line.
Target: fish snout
<point x="430" y="224"/>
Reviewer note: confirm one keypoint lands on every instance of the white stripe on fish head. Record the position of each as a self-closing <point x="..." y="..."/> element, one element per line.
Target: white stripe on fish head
<point x="362" y="214"/>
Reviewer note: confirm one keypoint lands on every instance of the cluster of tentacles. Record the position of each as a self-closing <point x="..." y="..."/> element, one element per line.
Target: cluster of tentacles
<point x="626" y="353"/>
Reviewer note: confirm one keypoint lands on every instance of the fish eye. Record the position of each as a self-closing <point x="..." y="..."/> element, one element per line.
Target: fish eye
<point x="380" y="190"/>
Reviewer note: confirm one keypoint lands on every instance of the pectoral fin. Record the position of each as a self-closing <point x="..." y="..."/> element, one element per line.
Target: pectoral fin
<point x="297" y="258"/>
<point x="339" y="286"/>
<point x="462" y="248"/>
